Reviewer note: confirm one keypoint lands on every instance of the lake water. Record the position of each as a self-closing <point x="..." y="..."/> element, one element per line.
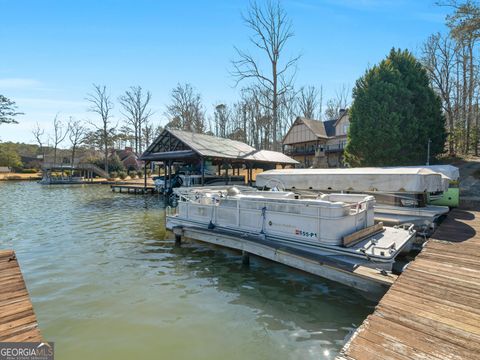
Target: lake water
<point x="108" y="283"/>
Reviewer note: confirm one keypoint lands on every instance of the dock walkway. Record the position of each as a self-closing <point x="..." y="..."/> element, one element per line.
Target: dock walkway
<point x="17" y="319"/>
<point x="432" y="311"/>
<point x="133" y="189"/>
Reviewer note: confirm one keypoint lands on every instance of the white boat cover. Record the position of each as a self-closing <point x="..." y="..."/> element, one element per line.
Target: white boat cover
<point x="386" y="179"/>
<point x="449" y="171"/>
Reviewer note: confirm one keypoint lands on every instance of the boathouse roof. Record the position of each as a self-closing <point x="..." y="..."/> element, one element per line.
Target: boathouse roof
<point x="180" y="145"/>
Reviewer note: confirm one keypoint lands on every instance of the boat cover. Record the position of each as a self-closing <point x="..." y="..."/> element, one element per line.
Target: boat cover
<point x="386" y="179"/>
<point x="448" y="171"/>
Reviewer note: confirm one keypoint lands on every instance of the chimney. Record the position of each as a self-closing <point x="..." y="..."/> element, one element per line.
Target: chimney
<point x="341" y="112"/>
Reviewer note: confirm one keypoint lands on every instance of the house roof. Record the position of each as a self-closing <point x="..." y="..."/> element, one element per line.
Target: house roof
<point x="330" y="127"/>
<point x="316" y="126"/>
<point x="187" y="144"/>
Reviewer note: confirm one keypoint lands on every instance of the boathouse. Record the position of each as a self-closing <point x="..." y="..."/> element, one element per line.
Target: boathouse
<point x="208" y="153"/>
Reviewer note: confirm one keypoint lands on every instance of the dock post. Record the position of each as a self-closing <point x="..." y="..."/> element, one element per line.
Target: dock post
<point x="178" y="240"/>
<point x="245" y="258"/>
<point x="178" y="236"/>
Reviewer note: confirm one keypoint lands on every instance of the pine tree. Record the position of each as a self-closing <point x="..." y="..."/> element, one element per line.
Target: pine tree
<point x="394" y="114"/>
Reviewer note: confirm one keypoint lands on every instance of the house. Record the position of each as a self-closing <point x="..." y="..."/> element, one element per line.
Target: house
<point x="316" y="143"/>
<point x="129" y="158"/>
<point x="4" y="169"/>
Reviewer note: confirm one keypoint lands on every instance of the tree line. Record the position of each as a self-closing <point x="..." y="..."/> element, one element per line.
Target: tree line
<point x="452" y="64"/>
<point x="269" y="100"/>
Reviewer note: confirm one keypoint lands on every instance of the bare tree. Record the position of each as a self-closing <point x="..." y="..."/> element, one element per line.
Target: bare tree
<point x="271" y="30"/>
<point x="338" y="103"/>
<point x="222" y="118"/>
<point x="101" y="104"/>
<point x="148" y="133"/>
<point x="134" y="103"/>
<point x="186" y="109"/>
<point x="76" y="135"/>
<point x="38" y="133"/>
<point x="309" y="102"/>
<point x="438" y="58"/>
<point x="59" y="135"/>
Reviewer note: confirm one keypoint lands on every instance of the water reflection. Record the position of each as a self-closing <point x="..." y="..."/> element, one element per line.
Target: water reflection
<point x="108" y="282"/>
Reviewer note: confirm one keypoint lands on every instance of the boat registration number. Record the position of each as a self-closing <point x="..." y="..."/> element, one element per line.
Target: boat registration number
<point x="305" y="233"/>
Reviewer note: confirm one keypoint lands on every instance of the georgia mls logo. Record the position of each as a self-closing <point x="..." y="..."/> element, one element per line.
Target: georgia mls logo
<point x="26" y="351"/>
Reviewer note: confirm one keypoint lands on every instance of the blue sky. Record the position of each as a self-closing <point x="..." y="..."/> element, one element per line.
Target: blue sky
<point x="52" y="51"/>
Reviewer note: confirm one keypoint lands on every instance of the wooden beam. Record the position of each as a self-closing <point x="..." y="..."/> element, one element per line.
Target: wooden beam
<point x="360" y="235"/>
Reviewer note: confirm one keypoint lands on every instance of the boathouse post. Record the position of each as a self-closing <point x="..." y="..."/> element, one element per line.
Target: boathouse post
<point x="145" y="174"/>
<point x="226" y="173"/>
<point x="170" y="174"/>
<point x="202" y="160"/>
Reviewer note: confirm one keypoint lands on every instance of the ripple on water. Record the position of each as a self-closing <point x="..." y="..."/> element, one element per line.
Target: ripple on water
<point x="107" y="283"/>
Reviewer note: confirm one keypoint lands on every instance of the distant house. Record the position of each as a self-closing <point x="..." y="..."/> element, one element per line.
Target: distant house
<point x="129" y="158"/>
<point x="316" y="143"/>
<point x="4" y="169"/>
<point x="31" y="162"/>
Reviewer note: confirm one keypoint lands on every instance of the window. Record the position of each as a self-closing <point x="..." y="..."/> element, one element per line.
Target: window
<point x="345" y="128"/>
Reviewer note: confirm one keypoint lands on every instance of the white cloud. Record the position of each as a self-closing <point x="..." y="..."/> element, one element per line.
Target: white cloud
<point x="18" y="83"/>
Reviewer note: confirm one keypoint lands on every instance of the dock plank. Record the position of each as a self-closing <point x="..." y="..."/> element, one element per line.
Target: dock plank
<point x="432" y="311"/>
<point x="17" y="318"/>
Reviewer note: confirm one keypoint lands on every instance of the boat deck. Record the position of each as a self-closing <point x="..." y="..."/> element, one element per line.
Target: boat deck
<point x="17" y="319"/>
<point x="432" y="311"/>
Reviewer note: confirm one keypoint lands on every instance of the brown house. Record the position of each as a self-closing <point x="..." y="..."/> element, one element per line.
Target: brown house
<point x="316" y="143"/>
<point x="129" y="159"/>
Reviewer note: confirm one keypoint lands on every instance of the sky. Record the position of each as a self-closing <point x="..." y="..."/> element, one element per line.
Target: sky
<point x="51" y="52"/>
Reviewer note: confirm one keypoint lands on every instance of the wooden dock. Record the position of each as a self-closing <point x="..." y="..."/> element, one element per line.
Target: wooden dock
<point x="432" y="311"/>
<point x="17" y="319"/>
<point x="133" y="189"/>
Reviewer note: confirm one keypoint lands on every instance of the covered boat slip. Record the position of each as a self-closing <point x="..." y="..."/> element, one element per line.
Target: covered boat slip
<point x="207" y="155"/>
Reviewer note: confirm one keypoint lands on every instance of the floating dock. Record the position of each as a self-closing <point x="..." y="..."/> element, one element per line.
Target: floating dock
<point x="17" y="319"/>
<point x="133" y="189"/>
<point x="432" y="311"/>
<point x="371" y="281"/>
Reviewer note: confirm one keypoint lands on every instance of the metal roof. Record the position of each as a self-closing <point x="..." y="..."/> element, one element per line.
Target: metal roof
<point x="172" y="143"/>
<point x="330" y="127"/>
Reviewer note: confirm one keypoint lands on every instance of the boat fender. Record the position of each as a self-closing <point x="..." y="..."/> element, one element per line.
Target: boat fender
<point x="211" y="225"/>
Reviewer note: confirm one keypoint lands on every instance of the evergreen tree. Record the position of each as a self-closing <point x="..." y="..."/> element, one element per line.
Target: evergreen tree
<point x="394" y="114"/>
<point x="8" y="110"/>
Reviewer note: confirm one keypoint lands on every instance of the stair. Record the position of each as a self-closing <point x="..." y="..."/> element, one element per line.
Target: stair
<point x="95" y="169"/>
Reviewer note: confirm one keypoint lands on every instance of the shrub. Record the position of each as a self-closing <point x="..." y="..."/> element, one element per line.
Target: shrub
<point x="122" y="175"/>
<point x="133" y="174"/>
<point x="149" y="172"/>
<point x="140" y="173"/>
<point x="114" y="174"/>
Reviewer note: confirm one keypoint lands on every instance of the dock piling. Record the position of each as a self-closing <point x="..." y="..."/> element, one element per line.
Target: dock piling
<point x="178" y="231"/>
<point x="245" y="258"/>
